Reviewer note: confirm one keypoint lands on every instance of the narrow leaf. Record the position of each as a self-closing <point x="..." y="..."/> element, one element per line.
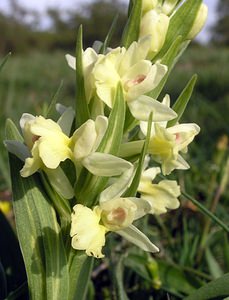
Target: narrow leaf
<point x="180" y="24"/>
<point x="182" y="101"/>
<point x="131" y="31"/>
<point x="53" y="101"/>
<point x="83" y="279"/>
<point x="131" y="192"/>
<point x="109" y="35"/>
<point x="76" y="262"/>
<point x="89" y="186"/>
<point x="11" y="131"/>
<point x="214" y="267"/>
<point x="39" y="236"/>
<point x="4" y="60"/>
<point x="82" y="111"/>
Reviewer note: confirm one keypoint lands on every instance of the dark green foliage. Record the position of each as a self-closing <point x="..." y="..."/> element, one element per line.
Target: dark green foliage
<point x="220" y="30"/>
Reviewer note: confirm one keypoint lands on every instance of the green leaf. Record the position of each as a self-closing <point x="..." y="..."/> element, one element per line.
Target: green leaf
<point x="180" y="24"/>
<point x="109" y="35"/>
<point x="169" y="59"/>
<point x="40" y="237"/>
<point x="214" y="267"/>
<point x="53" y="101"/>
<point x="88" y="186"/>
<point x="131" y="192"/>
<point x="216" y="289"/>
<point x="82" y="111"/>
<point x="182" y="101"/>
<point x="11" y="131"/>
<point x="131" y="31"/>
<point x="118" y="274"/>
<point x="84" y="279"/>
<point x="176" y="280"/>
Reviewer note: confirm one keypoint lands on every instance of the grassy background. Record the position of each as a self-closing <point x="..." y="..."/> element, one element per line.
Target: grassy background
<point x="194" y="251"/>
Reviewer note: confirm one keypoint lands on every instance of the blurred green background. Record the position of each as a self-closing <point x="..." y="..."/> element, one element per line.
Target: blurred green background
<point x="194" y="250"/>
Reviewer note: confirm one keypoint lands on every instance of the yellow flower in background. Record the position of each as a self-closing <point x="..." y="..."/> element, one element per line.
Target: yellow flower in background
<point x="5" y="207"/>
<point x="161" y="196"/>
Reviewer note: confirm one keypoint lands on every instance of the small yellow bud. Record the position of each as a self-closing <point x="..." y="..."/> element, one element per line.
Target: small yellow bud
<point x="155" y="25"/>
<point x="199" y="22"/>
<point x="147" y="5"/>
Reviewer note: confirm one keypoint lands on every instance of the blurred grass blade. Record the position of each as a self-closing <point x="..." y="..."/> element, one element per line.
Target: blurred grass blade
<point x="4" y="60"/>
<point x="39" y="236"/>
<point x="109" y="35"/>
<point x="84" y="279"/>
<point x="131" y="31"/>
<point x="182" y="101"/>
<point x="20" y="293"/>
<point x="89" y="186"/>
<point x="213" y="265"/>
<point x="82" y="111"/>
<point x="180" y="24"/>
<point x="53" y="101"/>
<point x="216" y="289"/>
<point x="118" y="274"/>
<point x="131" y="192"/>
<point x="205" y="211"/>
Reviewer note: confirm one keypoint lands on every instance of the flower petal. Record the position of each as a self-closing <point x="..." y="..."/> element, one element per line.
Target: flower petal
<point x="142" y="107"/>
<point x="86" y="232"/>
<point x="135" y="236"/>
<point x="102" y="164"/>
<point x="120" y="185"/>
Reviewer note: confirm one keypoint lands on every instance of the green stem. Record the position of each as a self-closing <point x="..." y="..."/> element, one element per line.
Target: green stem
<point x="207" y="212"/>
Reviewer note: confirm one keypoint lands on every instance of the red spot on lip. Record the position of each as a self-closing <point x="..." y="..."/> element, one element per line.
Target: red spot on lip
<point x="177" y="137"/>
<point x="119" y="214"/>
<point x="135" y="81"/>
<point x="138" y="79"/>
<point x="35" y="138"/>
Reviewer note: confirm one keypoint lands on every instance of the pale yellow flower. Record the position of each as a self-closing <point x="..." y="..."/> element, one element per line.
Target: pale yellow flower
<point x="49" y="145"/>
<point x="114" y="213"/>
<point x="161" y="196"/>
<point x="166" y="144"/>
<point x="137" y="76"/>
<point x="86" y="231"/>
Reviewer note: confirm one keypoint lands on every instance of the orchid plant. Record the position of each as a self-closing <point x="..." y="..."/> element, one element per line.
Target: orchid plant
<point x="91" y="171"/>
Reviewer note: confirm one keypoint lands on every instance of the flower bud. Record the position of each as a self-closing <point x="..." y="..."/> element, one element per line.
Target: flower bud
<point x="168" y="6"/>
<point x="156" y="25"/>
<point x="199" y="22"/>
<point x="147" y="5"/>
<point x="118" y="213"/>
